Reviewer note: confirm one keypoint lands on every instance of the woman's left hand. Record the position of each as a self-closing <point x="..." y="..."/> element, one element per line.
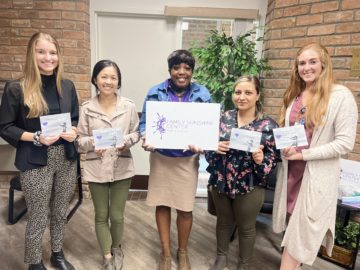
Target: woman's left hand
<point x="290" y="153"/>
<point x="258" y="155"/>
<point x="120" y="148"/>
<point x="69" y="136"/>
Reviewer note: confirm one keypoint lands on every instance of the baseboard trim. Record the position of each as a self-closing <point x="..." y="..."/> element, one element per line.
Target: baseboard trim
<point x="140" y="182"/>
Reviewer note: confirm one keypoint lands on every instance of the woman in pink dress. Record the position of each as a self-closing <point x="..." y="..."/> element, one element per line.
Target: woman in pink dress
<point x="307" y="180"/>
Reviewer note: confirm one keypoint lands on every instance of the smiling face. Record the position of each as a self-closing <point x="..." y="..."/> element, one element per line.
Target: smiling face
<point x="245" y="96"/>
<point x="46" y="55"/>
<point x="107" y="81"/>
<point x="181" y="75"/>
<point x="309" y="66"/>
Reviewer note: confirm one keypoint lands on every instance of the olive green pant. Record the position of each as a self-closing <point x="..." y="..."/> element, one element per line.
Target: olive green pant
<point x="109" y="202"/>
<point x="241" y="211"/>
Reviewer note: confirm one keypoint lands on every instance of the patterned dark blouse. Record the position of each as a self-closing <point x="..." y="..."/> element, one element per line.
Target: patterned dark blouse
<point x="236" y="172"/>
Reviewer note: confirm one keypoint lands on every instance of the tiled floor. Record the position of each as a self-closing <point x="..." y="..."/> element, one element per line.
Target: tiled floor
<point x="136" y="195"/>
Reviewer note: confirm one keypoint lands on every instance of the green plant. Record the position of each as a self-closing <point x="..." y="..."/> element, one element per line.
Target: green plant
<point x="222" y="60"/>
<point x="346" y="236"/>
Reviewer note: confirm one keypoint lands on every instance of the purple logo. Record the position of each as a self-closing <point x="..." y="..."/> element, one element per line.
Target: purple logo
<point x="159" y="125"/>
<point x="45" y="123"/>
<point x="99" y="137"/>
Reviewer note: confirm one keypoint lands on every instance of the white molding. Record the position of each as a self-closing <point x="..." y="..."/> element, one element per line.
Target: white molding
<point x="211" y="12"/>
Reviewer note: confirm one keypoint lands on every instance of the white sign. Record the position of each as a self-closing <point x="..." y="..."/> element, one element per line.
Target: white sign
<point x="349" y="178"/>
<point x="175" y="125"/>
<point x="54" y="124"/>
<point x="107" y="138"/>
<point x="245" y="140"/>
<point x="290" y="136"/>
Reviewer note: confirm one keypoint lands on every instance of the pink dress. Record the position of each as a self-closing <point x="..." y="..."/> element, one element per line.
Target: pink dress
<point x="296" y="167"/>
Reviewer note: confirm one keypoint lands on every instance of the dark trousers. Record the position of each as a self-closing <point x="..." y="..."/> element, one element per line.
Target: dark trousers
<point x="241" y="211"/>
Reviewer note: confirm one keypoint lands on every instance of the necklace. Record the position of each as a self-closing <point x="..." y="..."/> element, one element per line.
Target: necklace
<point x="179" y="97"/>
<point x="180" y="94"/>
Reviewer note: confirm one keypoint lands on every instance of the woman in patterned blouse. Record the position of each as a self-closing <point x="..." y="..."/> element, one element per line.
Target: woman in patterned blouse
<point x="238" y="177"/>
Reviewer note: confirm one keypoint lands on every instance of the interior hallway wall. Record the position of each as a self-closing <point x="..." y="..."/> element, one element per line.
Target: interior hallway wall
<point x="290" y="24"/>
<point x="139" y="37"/>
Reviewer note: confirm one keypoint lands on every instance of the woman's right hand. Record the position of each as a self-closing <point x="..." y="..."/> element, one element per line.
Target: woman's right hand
<point x="223" y="147"/>
<point x="48" y="140"/>
<point x="290" y="153"/>
<point x="147" y="147"/>
<point x="99" y="152"/>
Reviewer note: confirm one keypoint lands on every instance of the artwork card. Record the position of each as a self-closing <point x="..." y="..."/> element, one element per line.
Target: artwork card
<point x="245" y="140"/>
<point x="107" y="138"/>
<point x="290" y="136"/>
<point x="54" y="124"/>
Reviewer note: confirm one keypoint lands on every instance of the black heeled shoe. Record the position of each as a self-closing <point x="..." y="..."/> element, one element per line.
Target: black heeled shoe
<point x="37" y="266"/>
<point x="59" y="262"/>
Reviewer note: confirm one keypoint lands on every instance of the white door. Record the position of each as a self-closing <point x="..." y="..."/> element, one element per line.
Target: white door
<point x="140" y="46"/>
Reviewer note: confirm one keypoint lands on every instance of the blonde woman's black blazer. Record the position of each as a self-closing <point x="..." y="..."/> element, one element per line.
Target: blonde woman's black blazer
<point x="13" y="122"/>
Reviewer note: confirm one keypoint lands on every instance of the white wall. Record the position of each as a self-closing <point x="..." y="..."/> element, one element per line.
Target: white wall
<point x="138" y="36"/>
<point x="102" y="11"/>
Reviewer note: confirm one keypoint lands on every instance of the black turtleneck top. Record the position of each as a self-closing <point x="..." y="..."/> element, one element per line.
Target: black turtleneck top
<point x="50" y="93"/>
<point x="51" y="97"/>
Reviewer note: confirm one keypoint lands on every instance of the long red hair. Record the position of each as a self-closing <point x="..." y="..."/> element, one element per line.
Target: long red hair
<point x="321" y="87"/>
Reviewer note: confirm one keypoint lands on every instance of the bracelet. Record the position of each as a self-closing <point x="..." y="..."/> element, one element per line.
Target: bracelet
<point x="37" y="138"/>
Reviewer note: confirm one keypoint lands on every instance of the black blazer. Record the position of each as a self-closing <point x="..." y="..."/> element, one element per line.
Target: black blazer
<point x="13" y="123"/>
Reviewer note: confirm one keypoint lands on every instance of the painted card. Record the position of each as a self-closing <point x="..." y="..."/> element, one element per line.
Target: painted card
<point x="107" y="138"/>
<point x="245" y="140"/>
<point x="290" y="136"/>
<point x="54" y="124"/>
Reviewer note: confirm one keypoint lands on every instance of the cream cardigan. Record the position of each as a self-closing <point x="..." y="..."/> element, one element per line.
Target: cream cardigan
<point x="313" y="220"/>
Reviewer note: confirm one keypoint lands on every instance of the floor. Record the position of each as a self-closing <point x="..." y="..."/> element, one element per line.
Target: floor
<point x="140" y="244"/>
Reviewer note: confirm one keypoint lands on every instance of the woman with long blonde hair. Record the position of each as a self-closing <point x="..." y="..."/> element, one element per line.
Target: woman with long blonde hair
<point x="307" y="185"/>
<point x="47" y="164"/>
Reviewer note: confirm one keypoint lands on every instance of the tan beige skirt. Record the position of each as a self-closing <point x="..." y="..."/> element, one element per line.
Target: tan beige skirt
<point x="173" y="181"/>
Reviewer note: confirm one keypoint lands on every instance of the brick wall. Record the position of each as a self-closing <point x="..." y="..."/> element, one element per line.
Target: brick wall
<point x="290" y="24"/>
<point x="198" y="30"/>
<point x="67" y="20"/>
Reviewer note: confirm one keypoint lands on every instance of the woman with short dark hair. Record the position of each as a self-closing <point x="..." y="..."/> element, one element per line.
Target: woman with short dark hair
<point x="174" y="173"/>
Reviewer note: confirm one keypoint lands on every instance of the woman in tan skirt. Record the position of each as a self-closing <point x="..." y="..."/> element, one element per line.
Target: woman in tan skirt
<point x="174" y="173"/>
